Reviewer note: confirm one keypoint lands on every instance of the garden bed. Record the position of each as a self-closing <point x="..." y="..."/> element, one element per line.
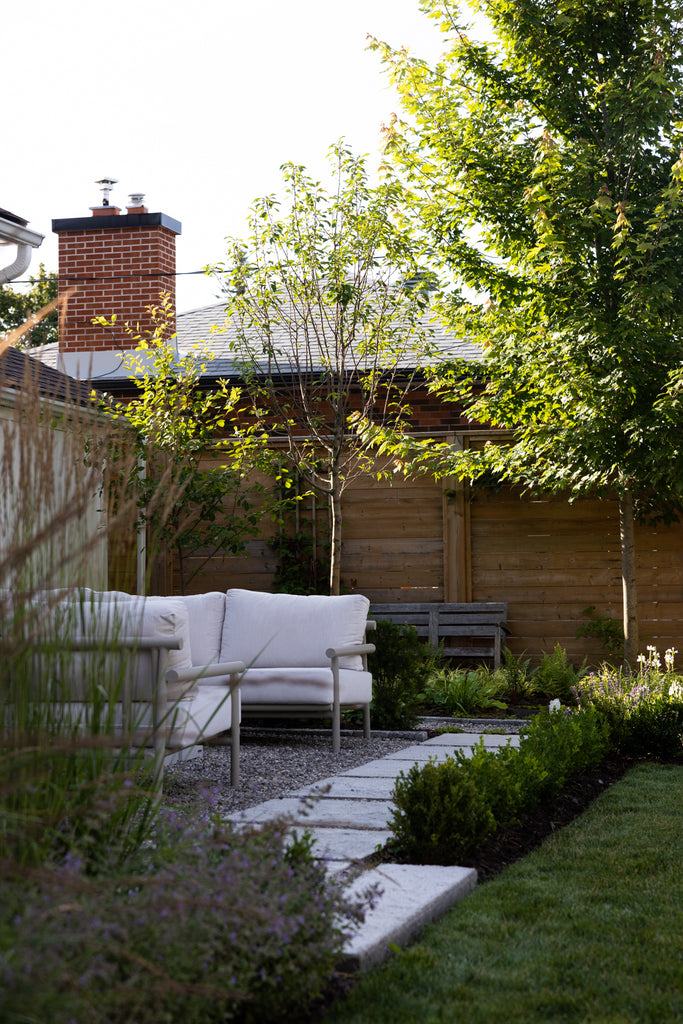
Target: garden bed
<point x="510" y="844"/>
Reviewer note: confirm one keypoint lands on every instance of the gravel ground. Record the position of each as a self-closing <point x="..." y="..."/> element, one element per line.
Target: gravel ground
<point x="272" y="764"/>
<point x="509" y="726"/>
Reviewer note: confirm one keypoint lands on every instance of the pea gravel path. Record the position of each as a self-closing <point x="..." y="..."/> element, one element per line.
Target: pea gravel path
<point x="272" y="764"/>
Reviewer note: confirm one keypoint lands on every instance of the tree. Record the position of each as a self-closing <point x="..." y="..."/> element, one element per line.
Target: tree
<point x="546" y="175"/>
<point x="31" y="316"/>
<point x="180" y="429"/>
<point x="326" y="314"/>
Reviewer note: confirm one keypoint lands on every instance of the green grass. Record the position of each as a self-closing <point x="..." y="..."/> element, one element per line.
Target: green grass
<point x="586" y="930"/>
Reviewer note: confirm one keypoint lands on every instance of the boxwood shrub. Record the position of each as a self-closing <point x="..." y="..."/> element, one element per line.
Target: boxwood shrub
<point x="446" y="810"/>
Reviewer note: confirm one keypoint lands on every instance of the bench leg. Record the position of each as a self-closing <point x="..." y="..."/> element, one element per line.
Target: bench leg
<point x="366" y="721"/>
<point x="497" y="644"/>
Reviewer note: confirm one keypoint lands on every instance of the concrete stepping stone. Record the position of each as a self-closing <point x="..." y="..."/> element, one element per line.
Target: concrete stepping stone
<point x="469" y="740"/>
<point x="420" y="755"/>
<point x="347" y="816"/>
<point x="380" y="769"/>
<point x="351" y="787"/>
<point x="348" y="844"/>
<point x="331" y="813"/>
<point x="389" y="767"/>
<point x="412" y="896"/>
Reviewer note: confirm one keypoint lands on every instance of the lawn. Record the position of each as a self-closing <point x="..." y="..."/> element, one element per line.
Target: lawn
<point x="588" y="929"/>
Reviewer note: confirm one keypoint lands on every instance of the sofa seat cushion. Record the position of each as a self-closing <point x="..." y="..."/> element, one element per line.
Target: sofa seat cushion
<point x="208" y="713"/>
<point x="289" y="630"/>
<point x="304" y="686"/>
<point x="189" y="721"/>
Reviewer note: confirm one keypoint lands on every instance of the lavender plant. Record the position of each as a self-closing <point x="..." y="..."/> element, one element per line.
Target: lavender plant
<point x="213" y="926"/>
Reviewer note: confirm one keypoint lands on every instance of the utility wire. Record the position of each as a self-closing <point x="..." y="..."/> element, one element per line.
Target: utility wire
<point x="111" y="277"/>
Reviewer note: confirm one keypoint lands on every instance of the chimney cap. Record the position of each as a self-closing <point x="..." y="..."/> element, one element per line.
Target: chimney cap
<point x="106" y="186"/>
<point x="136" y="199"/>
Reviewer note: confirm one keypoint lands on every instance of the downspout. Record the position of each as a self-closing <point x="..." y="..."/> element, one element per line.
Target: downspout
<point x="20" y="264"/>
<point x="142" y="541"/>
<point x="13" y="231"/>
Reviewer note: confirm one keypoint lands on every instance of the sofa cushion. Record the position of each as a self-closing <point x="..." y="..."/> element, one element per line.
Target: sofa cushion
<point x="205" y="618"/>
<point x="108" y="615"/>
<point x="208" y="714"/>
<point x="291" y="631"/>
<point x="205" y="615"/>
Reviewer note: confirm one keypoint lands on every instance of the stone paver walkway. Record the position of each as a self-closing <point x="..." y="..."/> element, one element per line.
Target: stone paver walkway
<point x="348" y="817"/>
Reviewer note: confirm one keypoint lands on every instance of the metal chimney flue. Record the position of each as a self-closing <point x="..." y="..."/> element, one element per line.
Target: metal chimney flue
<point x="106" y="186"/>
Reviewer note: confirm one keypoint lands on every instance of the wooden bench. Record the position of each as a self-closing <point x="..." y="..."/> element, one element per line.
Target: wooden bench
<point x="482" y="623"/>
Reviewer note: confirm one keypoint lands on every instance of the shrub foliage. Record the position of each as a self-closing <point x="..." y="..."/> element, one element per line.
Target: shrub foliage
<point x="400" y="666"/>
<point x="215" y="928"/>
<point x="446" y="810"/>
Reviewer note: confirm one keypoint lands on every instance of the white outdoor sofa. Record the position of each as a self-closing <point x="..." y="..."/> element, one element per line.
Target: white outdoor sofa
<point x="305" y="656"/>
<point x="197" y="665"/>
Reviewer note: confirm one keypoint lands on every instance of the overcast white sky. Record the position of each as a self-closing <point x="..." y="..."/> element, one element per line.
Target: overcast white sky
<point x="195" y="104"/>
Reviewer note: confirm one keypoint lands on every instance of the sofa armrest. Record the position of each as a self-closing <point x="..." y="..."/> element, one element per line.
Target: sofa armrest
<point x="335" y="653"/>
<point x="234" y="669"/>
<point x="342" y="652"/>
<point x="188" y="675"/>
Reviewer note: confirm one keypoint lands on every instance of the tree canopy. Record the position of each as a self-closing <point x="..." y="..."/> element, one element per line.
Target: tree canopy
<point x="34" y="309"/>
<point x="326" y="318"/>
<point x="545" y="169"/>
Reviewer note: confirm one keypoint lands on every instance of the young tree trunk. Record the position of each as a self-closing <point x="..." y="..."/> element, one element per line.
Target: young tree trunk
<point x="335" y="539"/>
<point x="628" y="579"/>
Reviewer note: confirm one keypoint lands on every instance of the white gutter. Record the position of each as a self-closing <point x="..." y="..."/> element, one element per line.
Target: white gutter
<point x="12" y="233"/>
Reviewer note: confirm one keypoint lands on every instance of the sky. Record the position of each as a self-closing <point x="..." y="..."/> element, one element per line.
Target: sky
<point x="195" y="104"/>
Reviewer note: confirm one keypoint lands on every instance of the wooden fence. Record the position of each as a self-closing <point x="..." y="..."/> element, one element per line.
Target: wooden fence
<point x="425" y="540"/>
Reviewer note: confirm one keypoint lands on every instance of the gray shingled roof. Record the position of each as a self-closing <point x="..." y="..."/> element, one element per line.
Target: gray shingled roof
<point x="16" y="368"/>
<point x="195" y="327"/>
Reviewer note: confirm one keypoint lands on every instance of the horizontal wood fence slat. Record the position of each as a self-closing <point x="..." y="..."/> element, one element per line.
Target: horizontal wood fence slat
<point x="410" y="543"/>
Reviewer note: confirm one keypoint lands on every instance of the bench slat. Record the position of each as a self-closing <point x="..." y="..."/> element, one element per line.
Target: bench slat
<point x="436" y="622"/>
<point x="468" y="652"/>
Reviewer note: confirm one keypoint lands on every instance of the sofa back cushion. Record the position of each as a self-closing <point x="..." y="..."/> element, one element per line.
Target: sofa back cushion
<point x="291" y="631"/>
<point x="205" y="616"/>
<point x="108" y="615"/>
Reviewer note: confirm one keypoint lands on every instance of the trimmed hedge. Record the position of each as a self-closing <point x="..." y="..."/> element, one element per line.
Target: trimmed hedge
<point x="446" y="810"/>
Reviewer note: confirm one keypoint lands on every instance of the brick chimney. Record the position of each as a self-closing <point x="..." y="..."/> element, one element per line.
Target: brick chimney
<point x="110" y="263"/>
